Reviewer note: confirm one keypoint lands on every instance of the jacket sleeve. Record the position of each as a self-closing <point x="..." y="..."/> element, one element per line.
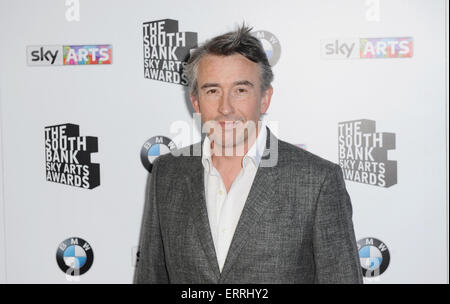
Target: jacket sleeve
<point x="151" y="266"/>
<point x="335" y="252"/>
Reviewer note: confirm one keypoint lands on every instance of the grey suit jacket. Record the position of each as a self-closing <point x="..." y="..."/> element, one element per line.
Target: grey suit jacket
<point x="296" y="225"/>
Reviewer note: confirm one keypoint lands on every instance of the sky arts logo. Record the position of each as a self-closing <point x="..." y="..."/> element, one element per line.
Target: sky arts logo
<point x="367" y="48"/>
<point x="48" y="55"/>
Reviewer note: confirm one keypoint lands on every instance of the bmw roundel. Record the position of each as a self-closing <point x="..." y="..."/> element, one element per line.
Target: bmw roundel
<point x="154" y="147"/>
<point x="74" y="256"/>
<point x="374" y="257"/>
<point x="270" y="44"/>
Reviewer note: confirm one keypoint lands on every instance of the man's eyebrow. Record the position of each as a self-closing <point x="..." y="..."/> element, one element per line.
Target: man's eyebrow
<point x="209" y="85"/>
<point x="244" y="82"/>
<point x="239" y="82"/>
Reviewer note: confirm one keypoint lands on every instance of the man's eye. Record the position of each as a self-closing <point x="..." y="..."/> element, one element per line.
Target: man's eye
<point x="241" y="90"/>
<point x="212" y="91"/>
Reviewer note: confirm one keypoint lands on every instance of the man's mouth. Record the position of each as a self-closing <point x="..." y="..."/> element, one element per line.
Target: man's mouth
<point x="229" y="124"/>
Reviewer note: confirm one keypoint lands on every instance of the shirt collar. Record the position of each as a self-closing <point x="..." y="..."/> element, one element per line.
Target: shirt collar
<point x="254" y="154"/>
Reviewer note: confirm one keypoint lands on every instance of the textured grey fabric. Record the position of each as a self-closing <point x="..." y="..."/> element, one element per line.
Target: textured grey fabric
<point x="296" y="226"/>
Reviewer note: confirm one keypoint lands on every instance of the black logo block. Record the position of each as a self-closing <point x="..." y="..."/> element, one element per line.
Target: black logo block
<point x="68" y="157"/>
<point x="166" y="51"/>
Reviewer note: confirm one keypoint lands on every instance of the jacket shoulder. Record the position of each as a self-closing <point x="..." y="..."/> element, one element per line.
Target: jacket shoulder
<point x="293" y="156"/>
<point x="179" y="159"/>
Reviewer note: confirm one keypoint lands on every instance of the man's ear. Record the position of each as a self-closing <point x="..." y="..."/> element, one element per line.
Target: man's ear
<point x="265" y="100"/>
<point x="194" y="102"/>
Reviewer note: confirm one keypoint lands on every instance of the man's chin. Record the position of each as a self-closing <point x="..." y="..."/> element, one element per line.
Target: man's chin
<point x="228" y="145"/>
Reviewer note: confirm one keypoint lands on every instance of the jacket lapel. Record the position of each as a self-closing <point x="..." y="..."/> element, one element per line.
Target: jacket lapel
<point x="199" y="215"/>
<point x="261" y="195"/>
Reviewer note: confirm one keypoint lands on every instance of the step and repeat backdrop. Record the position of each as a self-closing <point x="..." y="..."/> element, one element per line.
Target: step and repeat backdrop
<point x="92" y="91"/>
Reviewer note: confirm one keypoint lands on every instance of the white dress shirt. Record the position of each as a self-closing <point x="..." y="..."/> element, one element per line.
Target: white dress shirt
<point x="224" y="209"/>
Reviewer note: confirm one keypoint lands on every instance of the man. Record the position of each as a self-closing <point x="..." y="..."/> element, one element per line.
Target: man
<point x="251" y="208"/>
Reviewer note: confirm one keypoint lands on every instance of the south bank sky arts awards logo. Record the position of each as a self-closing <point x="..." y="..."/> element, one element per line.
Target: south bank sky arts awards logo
<point x="374" y="257"/>
<point x="166" y="51"/>
<point x="363" y="153"/>
<point x="74" y="256"/>
<point x="68" y="157"/>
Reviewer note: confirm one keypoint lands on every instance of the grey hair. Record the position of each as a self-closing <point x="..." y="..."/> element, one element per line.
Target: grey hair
<point x="237" y="42"/>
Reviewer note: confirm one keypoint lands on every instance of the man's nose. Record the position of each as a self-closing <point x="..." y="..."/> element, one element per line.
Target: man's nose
<point x="225" y="104"/>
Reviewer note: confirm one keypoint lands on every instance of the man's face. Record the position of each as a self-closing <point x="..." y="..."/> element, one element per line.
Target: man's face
<point x="229" y="98"/>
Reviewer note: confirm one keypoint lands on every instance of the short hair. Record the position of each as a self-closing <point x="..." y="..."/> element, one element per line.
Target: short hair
<point x="237" y="42"/>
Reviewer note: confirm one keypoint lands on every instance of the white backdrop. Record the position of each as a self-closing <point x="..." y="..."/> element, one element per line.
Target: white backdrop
<point x="313" y="93"/>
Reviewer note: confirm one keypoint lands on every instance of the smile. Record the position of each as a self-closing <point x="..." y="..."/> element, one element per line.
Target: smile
<point x="229" y="124"/>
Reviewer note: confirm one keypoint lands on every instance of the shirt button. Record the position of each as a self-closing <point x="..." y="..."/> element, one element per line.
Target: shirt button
<point x="220" y="192"/>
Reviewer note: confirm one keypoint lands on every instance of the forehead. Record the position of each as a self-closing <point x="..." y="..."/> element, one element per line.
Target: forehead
<point x="215" y="68"/>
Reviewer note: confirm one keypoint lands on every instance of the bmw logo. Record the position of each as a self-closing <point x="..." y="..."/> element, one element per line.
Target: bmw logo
<point x="154" y="147"/>
<point x="270" y="44"/>
<point x="74" y="256"/>
<point x="374" y="256"/>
